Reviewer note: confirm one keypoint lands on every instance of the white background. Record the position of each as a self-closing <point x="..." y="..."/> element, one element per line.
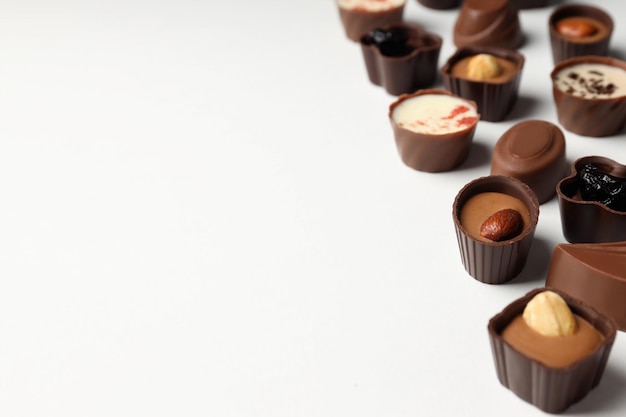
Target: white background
<point x="203" y="213"/>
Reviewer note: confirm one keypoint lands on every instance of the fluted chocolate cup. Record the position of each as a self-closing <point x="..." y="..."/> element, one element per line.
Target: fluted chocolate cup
<point x="495" y="97"/>
<point x="551" y="389"/>
<point x="358" y="19"/>
<point x="585" y="221"/>
<point x="595" y="273"/>
<point x="572" y="43"/>
<point x="488" y="23"/>
<point x="495" y="262"/>
<point x="406" y="72"/>
<point x="589" y="116"/>
<point x="440" y="4"/>
<point x="432" y="152"/>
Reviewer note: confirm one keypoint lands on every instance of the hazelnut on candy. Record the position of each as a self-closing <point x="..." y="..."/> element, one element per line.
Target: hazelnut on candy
<point x="548" y="314"/>
<point x="483" y="67"/>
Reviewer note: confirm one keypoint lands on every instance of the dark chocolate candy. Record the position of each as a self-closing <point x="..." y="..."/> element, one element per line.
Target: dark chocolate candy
<point x="401" y="57"/>
<point x="440" y="4"/>
<point x="495" y="99"/>
<point x="532" y="151"/>
<point x="488" y="23"/>
<point x="564" y="47"/>
<point x="593" y="272"/>
<point x="529" y="4"/>
<point x="585" y="221"/>
<point x="550" y="389"/>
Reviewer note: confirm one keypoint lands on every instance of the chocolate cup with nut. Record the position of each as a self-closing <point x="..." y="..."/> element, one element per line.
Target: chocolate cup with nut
<point x="357" y="21"/>
<point x="488" y="23"/>
<point x="495" y="98"/>
<point x="431" y="152"/>
<point x="406" y="72"/>
<point x="550" y="389"/>
<point x="493" y="262"/>
<point x="590" y="221"/>
<point x="440" y="4"/>
<point x="595" y="117"/>
<point x="565" y="47"/>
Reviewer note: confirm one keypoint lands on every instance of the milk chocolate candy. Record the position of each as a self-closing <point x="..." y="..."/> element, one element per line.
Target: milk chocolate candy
<point x="494" y="262"/>
<point x="551" y="389"/>
<point x="589" y="219"/>
<point x="532" y="151"/>
<point x="433" y="129"/>
<point x="360" y="16"/>
<point x="440" y="4"/>
<point x="401" y="57"/>
<point x="594" y="273"/>
<point x="488" y="23"/>
<point x="594" y="104"/>
<point x="579" y="30"/>
<point x="495" y="96"/>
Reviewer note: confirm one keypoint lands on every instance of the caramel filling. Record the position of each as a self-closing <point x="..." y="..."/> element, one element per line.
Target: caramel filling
<point x="479" y="207"/>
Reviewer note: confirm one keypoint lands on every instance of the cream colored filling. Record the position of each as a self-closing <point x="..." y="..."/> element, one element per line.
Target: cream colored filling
<point x="435" y="114"/>
<point x="370" y="5"/>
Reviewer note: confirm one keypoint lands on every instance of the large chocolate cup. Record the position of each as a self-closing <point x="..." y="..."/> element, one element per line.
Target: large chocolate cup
<point x="430" y="152"/>
<point x="589" y="117"/>
<point x="357" y="22"/>
<point x="495" y="262"/>
<point x="590" y="221"/>
<point x="408" y="73"/>
<point x="550" y="389"/>
<point x="488" y="23"/>
<point x="564" y="47"/>
<point x="594" y="273"/>
<point x="533" y="151"/>
<point x="440" y="4"/>
<point x="495" y="99"/>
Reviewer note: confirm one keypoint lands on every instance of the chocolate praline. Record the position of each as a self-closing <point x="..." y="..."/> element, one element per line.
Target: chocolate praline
<point x="488" y="23"/>
<point x="593" y="40"/>
<point x="588" y="221"/>
<point x="550" y="389"/>
<point x="401" y="65"/>
<point x="495" y="98"/>
<point x="532" y="151"/>
<point x="358" y="20"/>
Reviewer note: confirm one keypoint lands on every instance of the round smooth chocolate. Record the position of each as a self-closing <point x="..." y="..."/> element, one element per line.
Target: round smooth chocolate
<point x="532" y="151"/>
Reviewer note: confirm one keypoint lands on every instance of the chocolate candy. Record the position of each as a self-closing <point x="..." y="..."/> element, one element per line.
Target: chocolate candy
<point x="488" y="23"/>
<point x="532" y="151"/>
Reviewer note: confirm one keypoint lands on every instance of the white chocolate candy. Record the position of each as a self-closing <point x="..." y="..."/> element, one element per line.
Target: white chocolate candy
<point x="593" y="81"/>
<point x="370" y="5"/>
<point x="435" y="114"/>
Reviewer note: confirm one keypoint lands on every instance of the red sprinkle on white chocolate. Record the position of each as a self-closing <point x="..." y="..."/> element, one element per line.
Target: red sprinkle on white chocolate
<point x="435" y="114"/>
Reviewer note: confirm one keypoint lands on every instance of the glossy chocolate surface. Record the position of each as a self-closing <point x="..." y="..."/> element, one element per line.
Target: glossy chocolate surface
<point x="431" y="152"/>
<point x="488" y="23"/>
<point x="408" y="72"/>
<point x="495" y="99"/>
<point x="595" y="117"/>
<point x="357" y="22"/>
<point x="564" y="47"/>
<point x="590" y="221"/>
<point x="593" y="272"/>
<point x="495" y="262"/>
<point x="532" y="151"/>
<point x="550" y="389"/>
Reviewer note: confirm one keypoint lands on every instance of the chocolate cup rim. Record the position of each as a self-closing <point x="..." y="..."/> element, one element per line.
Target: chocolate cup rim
<point x="587" y="59"/>
<point x="594" y="10"/>
<point x="467" y="51"/>
<point x="577" y="306"/>
<point x="485" y="182"/>
<point x="438" y="42"/>
<point x="427" y="91"/>
<point x="574" y="174"/>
